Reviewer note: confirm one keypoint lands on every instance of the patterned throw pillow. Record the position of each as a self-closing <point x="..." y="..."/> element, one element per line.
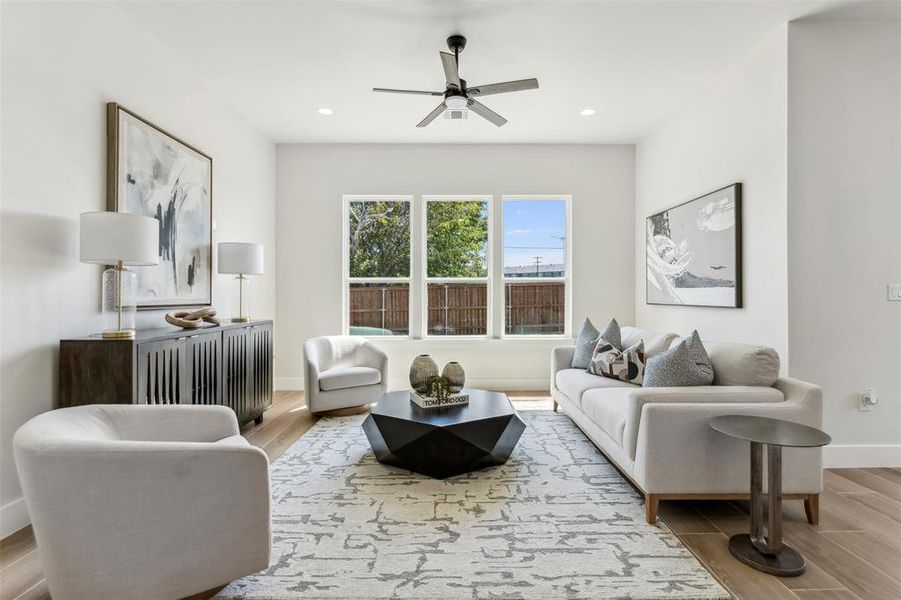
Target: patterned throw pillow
<point x="588" y="338"/>
<point x="625" y="365"/>
<point x="685" y="364"/>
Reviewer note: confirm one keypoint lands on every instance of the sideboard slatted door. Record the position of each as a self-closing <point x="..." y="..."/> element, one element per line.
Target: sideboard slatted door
<point x="162" y="370"/>
<point x="234" y="370"/>
<point x="260" y="368"/>
<point x="205" y="368"/>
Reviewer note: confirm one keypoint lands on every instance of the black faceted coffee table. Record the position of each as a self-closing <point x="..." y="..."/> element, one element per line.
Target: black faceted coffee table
<point x="447" y="441"/>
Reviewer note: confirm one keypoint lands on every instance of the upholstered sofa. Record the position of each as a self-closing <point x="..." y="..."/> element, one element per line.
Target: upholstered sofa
<point x="659" y="438"/>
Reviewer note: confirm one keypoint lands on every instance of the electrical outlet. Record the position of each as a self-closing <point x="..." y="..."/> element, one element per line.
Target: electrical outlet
<point x="894" y="292"/>
<point x="868" y="399"/>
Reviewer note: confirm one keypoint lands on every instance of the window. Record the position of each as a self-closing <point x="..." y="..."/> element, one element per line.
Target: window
<point x="377" y="265"/>
<point x="536" y="265"/>
<point x="457" y="264"/>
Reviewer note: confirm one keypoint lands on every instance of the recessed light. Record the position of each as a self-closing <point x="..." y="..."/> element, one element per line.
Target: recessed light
<point x="326" y="112"/>
<point x="587" y="112"/>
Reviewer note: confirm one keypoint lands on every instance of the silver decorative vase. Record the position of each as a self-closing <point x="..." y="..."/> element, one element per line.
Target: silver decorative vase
<point x="422" y="369"/>
<point x="456" y="377"/>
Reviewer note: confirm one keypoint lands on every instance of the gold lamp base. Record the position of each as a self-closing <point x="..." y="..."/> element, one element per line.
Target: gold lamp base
<point x="240" y="319"/>
<point x="124" y="334"/>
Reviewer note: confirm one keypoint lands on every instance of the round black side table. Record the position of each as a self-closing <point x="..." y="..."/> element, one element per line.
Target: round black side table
<point x="767" y="553"/>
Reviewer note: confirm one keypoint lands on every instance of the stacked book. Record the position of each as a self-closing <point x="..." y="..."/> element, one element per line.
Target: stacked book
<point x="430" y="402"/>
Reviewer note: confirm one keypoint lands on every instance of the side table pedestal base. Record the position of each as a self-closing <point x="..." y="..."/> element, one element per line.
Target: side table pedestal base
<point x="788" y="563"/>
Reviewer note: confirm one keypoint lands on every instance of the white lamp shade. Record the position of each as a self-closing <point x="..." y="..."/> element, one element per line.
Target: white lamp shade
<point x="108" y="237"/>
<point x="239" y="257"/>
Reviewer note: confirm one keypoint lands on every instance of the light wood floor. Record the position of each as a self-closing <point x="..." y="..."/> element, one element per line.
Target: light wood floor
<point x="853" y="554"/>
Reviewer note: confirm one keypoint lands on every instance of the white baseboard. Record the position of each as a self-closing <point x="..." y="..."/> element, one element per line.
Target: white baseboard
<point x="843" y="456"/>
<point x="13" y="517"/>
<point x="488" y="383"/>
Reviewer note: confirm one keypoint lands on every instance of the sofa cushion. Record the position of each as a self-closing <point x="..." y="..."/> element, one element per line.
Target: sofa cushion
<point x="615" y="408"/>
<point x="348" y="377"/>
<point x="588" y="338"/>
<point x="743" y="364"/>
<point x="626" y="365"/>
<point x="654" y="343"/>
<point x="574" y="382"/>
<point x="685" y="364"/>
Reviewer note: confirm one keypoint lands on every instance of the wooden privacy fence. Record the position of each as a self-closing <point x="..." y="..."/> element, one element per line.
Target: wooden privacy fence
<point x="460" y="308"/>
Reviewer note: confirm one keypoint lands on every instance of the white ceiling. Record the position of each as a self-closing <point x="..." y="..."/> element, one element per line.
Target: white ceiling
<point x="634" y="62"/>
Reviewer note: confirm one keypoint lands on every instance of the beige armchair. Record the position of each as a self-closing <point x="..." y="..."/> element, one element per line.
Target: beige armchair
<point x="143" y="501"/>
<point x="343" y="371"/>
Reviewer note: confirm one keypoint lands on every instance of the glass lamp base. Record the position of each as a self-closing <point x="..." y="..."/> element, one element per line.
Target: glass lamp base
<point x="125" y="334"/>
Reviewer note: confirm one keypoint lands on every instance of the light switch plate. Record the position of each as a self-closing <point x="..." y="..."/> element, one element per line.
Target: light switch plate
<point x="894" y="292"/>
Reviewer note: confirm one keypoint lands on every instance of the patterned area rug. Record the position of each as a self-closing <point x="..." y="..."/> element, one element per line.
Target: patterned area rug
<point x="556" y="521"/>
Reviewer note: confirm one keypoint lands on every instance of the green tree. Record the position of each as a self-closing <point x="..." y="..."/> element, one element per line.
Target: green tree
<point x="457" y="244"/>
<point x="379" y="238"/>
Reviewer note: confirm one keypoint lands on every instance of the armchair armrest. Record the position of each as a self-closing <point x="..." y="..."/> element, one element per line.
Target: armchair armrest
<point x="370" y="355"/>
<point x="172" y="423"/>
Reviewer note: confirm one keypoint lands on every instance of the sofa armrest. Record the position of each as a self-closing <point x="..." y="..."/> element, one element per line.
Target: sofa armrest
<point x="678" y="452"/>
<point x="561" y="358"/>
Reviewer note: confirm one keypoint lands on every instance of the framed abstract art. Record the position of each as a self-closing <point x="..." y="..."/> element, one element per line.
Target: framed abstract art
<point x="151" y="172"/>
<point x="693" y="252"/>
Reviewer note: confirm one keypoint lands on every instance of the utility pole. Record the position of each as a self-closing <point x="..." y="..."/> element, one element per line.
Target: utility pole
<point x="537" y="269"/>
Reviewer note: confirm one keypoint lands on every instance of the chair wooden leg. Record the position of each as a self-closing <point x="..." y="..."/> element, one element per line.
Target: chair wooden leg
<point x="651" y="502"/>
<point x="812" y="508"/>
<point x="555" y="406"/>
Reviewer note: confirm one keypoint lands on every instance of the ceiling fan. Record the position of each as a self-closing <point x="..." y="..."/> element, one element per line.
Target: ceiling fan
<point x="458" y="97"/>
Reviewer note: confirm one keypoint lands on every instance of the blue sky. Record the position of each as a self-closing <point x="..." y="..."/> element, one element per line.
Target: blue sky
<point x="534" y="228"/>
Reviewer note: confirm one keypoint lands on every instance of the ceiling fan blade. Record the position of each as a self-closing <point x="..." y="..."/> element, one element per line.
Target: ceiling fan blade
<point x="433" y="115"/>
<point x="451" y="74"/>
<point x="502" y="88"/>
<point x="483" y="111"/>
<point x="417" y="92"/>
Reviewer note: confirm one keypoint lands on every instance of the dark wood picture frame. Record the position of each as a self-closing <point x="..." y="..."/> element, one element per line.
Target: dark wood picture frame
<point x="739" y="278"/>
<point x="113" y="112"/>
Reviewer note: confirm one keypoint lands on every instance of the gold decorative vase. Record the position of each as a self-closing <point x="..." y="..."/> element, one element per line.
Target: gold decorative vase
<point x="422" y="369"/>
<point x="456" y="377"/>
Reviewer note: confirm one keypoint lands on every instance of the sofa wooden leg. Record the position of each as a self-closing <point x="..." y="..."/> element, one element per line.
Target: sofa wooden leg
<point x="651" y="502"/>
<point x="812" y="508"/>
<point x="555" y="406"/>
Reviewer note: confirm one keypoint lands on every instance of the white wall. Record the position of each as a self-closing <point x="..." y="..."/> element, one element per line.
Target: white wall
<point x="735" y="132"/>
<point x="844" y="219"/>
<point x="311" y="180"/>
<point x="60" y="64"/>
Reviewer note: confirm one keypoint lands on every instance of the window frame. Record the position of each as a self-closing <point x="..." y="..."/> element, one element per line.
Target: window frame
<point x="425" y="280"/>
<point x="347" y="280"/>
<point x="567" y="268"/>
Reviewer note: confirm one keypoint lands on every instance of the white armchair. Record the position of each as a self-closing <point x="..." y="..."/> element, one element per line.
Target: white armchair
<point x="143" y="501"/>
<point x="343" y="371"/>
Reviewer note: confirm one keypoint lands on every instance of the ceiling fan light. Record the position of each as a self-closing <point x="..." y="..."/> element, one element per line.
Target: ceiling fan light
<point x="456" y="103"/>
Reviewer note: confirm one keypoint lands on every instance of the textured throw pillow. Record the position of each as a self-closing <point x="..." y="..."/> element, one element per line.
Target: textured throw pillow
<point x="625" y="365"/>
<point x="588" y="338"/>
<point x="685" y="364"/>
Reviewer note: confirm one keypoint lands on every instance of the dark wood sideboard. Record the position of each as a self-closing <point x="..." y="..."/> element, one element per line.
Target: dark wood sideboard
<point x="229" y="365"/>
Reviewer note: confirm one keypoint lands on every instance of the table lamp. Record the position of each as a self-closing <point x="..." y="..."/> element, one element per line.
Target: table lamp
<point x="241" y="259"/>
<point x="120" y="239"/>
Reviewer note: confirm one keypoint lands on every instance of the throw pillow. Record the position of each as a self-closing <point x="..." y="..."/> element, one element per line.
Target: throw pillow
<point x="685" y="364"/>
<point x="625" y="365"/>
<point x="588" y="338"/>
